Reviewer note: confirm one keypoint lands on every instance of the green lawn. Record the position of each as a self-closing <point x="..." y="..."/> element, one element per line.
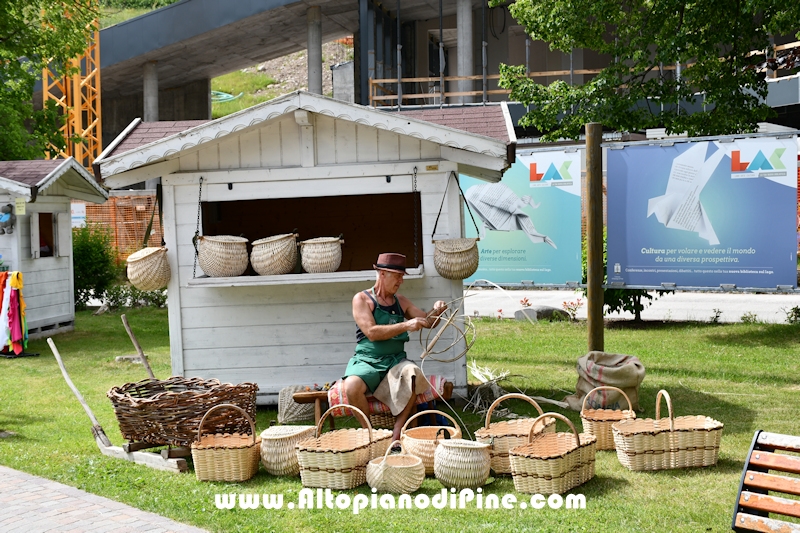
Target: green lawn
<point x="745" y="375"/>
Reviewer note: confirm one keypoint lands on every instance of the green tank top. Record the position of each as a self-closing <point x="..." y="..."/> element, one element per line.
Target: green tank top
<point x="383" y="315"/>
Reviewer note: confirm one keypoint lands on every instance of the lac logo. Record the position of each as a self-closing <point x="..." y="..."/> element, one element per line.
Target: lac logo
<point x="760" y="162"/>
<point x="552" y="176"/>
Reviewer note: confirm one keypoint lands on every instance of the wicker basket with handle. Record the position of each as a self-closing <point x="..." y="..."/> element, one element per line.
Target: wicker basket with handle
<point x="222" y="256"/>
<point x="455" y="258"/>
<point x="663" y="443"/>
<point x="507" y="434"/>
<point x="598" y="422"/>
<point x="553" y="463"/>
<point x="274" y="255"/>
<point x="321" y="255"/>
<point x="226" y="456"/>
<point x="148" y="269"/>
<point x="421" y="441"/>
<point x="338" y="459"/>
<point x="399" y="474"/>
<point x="278" y="454"/>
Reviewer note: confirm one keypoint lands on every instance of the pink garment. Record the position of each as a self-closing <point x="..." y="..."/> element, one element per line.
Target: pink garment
<point x="14" y="322"/>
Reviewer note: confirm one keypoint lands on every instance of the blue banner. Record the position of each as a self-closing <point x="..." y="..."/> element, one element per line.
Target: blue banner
<point x="530" y="222"/>
<point x="703" y="214"/>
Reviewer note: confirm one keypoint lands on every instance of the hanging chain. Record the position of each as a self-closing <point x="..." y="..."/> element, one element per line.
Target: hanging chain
<point x="197" y="228"/>
<point x="416" y="221"/>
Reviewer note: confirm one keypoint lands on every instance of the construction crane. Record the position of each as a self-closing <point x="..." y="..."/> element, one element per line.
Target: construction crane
<point x="78" y="96"/>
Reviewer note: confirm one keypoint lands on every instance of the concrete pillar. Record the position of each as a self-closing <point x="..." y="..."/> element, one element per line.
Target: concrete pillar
<point x="150" y="92"/>
<point x="314" y="15"/>
<point x="465" y="60"/>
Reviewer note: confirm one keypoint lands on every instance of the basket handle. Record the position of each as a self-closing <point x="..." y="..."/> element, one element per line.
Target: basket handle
<point x="453" y="176"/>
<point x="353" y="408"/>
<point x="508" y="397"/>
<point x="665" y="394"/>
<point x="606" y="387"/>
<point x="430" y="411"/>
<point x="389" y="449"/>
<point x="556" y="415"/>
<point x="228" y="406"/>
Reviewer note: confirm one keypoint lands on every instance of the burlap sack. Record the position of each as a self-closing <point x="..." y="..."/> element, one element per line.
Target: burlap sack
<point x="595" y="369"/>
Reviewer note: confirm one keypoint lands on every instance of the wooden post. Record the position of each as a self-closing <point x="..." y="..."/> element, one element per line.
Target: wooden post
<point x="594" y="234"/>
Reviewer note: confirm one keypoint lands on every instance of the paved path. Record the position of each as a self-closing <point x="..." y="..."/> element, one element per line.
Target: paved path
<point x="30" y="504"/>
<point x="695" y="306"/>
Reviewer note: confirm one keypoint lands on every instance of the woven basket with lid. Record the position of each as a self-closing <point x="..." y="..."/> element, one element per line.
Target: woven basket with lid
<point x="461" y="463"/>
<point x="422" y="441"/>
<point x="456" y="258"/>
<point x="148" y="269"/>
<point x="278" y="444"/>
<point x="598" y="422"/>
<point x="274" y="255"/>
<point x="226" y="456"/>
<point x="222" y="256"/>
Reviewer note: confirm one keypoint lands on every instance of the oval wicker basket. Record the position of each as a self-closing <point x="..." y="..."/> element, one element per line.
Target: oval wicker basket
<point x="148" y="269"/>
<point x="321" y="255"/>
<point x="169" y="411"/>
<point x="225" y="456"/>
<point x="461" y="464"/>
<point x="278" y="453"/>
<point x="422" y="441"/>
<point x="598" y="422"/>
<point x="274" y="255"/>
<point x="505" y="435"/>
<point x="222" y="256"/>
<point x="456" y="258"/>
<point x="399" y="474"/>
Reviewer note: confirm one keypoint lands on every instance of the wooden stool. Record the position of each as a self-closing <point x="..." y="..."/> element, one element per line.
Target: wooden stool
<point x="318" y="397"/>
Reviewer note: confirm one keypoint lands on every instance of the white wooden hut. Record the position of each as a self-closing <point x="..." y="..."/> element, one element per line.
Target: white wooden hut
<point x="325" y="168"/>
<point x="40" y="244"/>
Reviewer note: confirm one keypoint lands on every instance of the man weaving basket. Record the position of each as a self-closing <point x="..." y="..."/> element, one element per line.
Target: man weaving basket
<point x="383" y="319"/>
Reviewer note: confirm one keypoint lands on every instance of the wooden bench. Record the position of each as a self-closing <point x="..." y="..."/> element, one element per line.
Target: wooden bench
<point x="754" y="503"/>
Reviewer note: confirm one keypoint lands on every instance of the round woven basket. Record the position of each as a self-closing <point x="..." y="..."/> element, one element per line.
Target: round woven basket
<point x="321" y="255"/>
<point x="422" y="441"/>
<point x="278" y="453"/>
<point x="148" y="269"/>
<point x="275" y="255"/>
<point x="222" y="256"/>
<point x="461" y="463"/>
<point x="456" y="258"/>
<point x="399" y="474"/>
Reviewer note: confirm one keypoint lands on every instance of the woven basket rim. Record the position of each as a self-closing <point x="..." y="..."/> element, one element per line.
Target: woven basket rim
<point x="648" y="425"/>
<point x="224" y="238"/>
<point x="463" y="443"/>
<point x="321" y="240"/>
<point x="526" y="450"/>
<point x="607" y="415"/>
<point x="237" y="436"/>
<point x="274" y="433"/>
<point x="274" y="238"/>
<point x="120" y="394"/>
<point x="144" y="253"/>
<point x="455" y="245"/>
<point x="496" y="429"/>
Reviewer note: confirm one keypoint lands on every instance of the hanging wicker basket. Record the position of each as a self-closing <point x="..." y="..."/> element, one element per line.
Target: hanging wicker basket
<point x="222" y="256"/>
<point x="225" y="456"/>
<point x="422" y="441"/>
<point x="553" y="463"/>
<point x="456" y="258"/>
<point x="461" y="464"/>
<point x="505" y="435"/>
<point x="398" y="474"/>
<point x="321" y="255"/>
<point x="598" y="422"/>
<point x="275" y="255"/>
<point x="148" y="269"/>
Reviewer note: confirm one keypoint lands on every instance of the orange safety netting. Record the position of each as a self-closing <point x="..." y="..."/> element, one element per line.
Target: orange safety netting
<point x="127" y="217"/>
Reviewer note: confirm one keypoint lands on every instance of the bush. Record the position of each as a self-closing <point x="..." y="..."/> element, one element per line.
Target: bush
<point x="125" y="295"/>
<point x="136" y="4"/>
<point x="94" y="262"/>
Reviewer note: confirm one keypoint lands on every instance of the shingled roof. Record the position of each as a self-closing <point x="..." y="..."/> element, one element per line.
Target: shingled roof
<point x="31" y="178"/>
<point x="147" y="132"/>
<point x="29" y="173"/>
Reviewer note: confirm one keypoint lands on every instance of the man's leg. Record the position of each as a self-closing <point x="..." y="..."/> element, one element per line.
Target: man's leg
<point x="405" y="413"/>
<point x="356" y="391"/>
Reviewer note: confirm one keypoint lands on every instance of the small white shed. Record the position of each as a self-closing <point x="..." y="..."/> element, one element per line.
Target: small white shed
<point x="325" y="168"/>
<point x="40" y="245"/>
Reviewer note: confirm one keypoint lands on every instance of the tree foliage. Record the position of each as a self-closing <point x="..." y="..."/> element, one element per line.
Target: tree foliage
<point x="33" y="34"/>
<point x="711" y="39"/>
<point x="93" y="261"/>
